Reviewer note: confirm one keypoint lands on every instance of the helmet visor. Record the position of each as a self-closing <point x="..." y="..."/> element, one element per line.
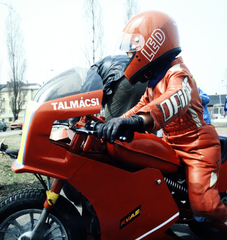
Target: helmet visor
<point x="131" y="42"/>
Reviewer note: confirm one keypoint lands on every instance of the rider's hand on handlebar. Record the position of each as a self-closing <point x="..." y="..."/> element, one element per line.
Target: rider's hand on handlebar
<point x="111" y="130"/>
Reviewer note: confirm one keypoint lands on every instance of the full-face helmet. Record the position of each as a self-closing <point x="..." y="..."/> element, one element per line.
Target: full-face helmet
<point x="149" y="38"/>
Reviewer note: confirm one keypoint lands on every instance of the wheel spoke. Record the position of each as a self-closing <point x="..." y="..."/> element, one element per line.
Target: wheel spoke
<point x="50" y="221"/>
<point x="32" y="221"/>
<point x="51" y="229"/>
<point x="10" y="232"/>
<point x="57" y="235"/>
<point x="17" y="226"/>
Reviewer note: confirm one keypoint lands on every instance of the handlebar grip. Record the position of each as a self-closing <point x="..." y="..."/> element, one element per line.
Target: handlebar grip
<point x="126" y="135"/>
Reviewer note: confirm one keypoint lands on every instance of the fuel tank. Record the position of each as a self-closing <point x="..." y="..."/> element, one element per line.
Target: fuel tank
<point x="146" y="150"/>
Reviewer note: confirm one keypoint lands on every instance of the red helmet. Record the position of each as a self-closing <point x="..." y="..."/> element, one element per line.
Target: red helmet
<point x="148" y="38"/>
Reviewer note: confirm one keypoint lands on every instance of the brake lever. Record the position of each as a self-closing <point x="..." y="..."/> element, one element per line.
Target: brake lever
<point x="83" y="130"/>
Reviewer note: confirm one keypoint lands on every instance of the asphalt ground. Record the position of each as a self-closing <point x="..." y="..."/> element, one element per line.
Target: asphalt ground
<point x="10" y="132"/>
<point x="222" y="131"/>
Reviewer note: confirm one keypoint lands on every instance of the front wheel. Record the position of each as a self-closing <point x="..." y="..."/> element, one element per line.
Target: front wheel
<point x="19" y="213"/>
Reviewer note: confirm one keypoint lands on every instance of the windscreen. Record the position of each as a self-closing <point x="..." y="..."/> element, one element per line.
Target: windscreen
<point x="70" y="82"/>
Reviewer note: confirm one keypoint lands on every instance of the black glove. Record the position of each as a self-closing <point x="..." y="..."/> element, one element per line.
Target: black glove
<point x="111" y="130"/>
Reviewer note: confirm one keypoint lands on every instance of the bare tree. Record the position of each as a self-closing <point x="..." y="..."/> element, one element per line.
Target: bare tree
<point x="95" y="31"/>
<point x="132" y="8"/>
<point x="7" y="5"/>
<point x="17" y="62"/>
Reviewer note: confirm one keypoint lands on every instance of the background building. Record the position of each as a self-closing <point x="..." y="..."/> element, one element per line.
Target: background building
<point x="216" y="105"/>
<point x="29" y="90"/>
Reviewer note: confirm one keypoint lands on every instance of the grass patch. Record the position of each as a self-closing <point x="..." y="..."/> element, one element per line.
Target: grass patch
<point x="13" y="141"/>
<point x="10" y="181"/>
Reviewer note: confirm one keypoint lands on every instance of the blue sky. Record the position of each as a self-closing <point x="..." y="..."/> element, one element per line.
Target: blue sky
<point x="53" y="31"/>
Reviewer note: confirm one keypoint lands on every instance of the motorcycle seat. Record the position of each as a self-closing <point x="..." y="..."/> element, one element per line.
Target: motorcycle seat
<point x="146" y="150"/>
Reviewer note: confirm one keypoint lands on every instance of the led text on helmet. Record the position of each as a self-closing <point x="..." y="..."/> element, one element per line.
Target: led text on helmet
<point x="153" y="44"/>
<point x="76" y="104"/>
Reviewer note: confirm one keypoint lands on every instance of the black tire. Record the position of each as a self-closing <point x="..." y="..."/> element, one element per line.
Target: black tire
<point x="12" y="128"/>
<point x="25" y="206"/>
<point x="206" y="230"/>
<point x="4" y="129"/>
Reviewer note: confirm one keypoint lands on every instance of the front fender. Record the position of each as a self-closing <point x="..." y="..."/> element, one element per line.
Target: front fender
<point x="70" y="215"/>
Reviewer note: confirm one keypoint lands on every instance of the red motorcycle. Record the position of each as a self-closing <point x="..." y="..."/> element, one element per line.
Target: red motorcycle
<point x="126" y="190"/>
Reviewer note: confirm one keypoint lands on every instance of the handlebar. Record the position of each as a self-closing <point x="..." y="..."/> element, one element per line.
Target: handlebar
<point x="91" y="129"/>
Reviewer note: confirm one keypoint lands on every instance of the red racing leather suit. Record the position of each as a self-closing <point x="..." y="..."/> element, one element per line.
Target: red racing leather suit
<point x="175" y="105"/>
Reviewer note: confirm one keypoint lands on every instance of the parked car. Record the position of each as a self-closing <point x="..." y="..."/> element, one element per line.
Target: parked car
<point x="17" y="124"/>
<point x="3" y="126"/>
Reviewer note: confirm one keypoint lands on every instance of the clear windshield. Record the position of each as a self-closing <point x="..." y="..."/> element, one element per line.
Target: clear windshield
<point x="70" y="82"/>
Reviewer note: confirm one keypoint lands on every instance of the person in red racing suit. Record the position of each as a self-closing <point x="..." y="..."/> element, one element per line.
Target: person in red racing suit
<point x="175" y="106"/>
<point x="171" y="102"/>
